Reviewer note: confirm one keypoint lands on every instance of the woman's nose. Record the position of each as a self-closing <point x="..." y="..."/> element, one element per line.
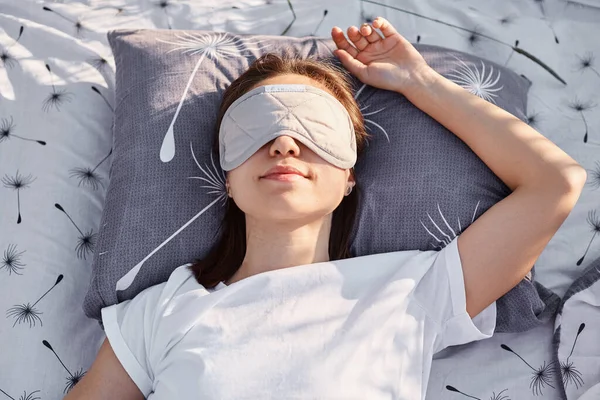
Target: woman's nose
<point x="284" y="145"/>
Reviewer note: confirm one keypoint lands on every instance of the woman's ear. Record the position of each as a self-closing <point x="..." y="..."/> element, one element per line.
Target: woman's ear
<point x="227" y="188"/>
<point x="351" y="179"/>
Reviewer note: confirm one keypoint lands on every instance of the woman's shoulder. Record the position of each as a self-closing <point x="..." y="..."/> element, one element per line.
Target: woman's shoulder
<point x="166" y="295"/>
<point x="181" y="273"/>
<point x="182" y="279"/>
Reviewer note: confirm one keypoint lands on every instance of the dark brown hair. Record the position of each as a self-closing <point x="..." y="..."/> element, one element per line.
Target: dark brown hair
<point x="226" y="256"/>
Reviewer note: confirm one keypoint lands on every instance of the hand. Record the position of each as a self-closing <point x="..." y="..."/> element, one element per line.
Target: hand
<point x="388" y="63"/>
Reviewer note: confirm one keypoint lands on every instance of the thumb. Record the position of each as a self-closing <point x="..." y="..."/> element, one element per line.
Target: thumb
<point x="352" y="64"/>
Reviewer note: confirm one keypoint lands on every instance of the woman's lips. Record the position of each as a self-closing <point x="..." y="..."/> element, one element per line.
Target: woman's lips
<point x="283" y="177"/>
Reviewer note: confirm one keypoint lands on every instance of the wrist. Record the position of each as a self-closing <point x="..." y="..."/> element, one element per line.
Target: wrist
<point x="419" y="79"/>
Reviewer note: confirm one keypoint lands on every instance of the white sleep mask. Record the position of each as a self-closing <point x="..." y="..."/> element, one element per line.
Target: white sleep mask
<point x="311" y="115"/>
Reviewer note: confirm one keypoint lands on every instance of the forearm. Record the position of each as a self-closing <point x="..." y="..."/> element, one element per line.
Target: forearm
<point x="514" y="151"/>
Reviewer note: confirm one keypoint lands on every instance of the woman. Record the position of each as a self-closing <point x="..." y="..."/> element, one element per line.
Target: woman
<point x="278" y="309"/>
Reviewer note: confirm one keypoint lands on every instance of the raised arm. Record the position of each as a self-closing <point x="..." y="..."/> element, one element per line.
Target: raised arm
<point x="501" y="246"/>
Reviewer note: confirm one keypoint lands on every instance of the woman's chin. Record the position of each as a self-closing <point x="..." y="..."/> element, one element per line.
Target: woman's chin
<point x="283" y="207"/>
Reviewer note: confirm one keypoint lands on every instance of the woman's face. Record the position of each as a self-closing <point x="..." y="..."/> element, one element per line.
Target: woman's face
<point x="314" y="193"/>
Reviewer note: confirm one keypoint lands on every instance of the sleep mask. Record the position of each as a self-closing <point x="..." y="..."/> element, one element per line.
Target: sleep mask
<point x="308" y="114"/>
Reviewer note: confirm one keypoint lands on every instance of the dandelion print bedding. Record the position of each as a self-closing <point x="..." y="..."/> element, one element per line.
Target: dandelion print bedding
<point x="57" y="101"/>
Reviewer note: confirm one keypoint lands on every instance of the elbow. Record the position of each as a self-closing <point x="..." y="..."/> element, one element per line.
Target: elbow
<point x="569" y="181"/>
<point x="568" y="190"/>
<point x="561" y="191"/>
<point x="574" y="179"/>
<point x="581" y="178"/>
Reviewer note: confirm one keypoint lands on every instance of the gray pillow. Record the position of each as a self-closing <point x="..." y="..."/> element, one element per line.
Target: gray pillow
<point x="422" y="185"/>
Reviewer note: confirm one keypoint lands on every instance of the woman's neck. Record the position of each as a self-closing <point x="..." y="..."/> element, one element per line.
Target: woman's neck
<point x="275" y="245"/>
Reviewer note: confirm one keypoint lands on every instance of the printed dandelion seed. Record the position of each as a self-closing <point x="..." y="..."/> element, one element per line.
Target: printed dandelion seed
<point x="553" y="33"/>
<point x="213" y="46"/>
<point x="11" y="260"/>
<point x="476" y="81"/>
<point x="57" y="97"/>
<point x="511" y="53"/>
<point x="541" y="377"/>
<point x="508" y="19"/>
<point x="581" y="107"/>
<point x="470" y="31"/>
<point x="594" y="222"/>
<point x="594" y="174"/>
<point x="29" y="396"/>
<point x="500" y="396"/>
<point x="119" y="9"/>
<point x="24" y="396"/>
<point x="293" y="18"/>
<point x="366" y="114"/>
<point x="453" y="389"/>
<point x="586" y="62"/>
<point x="213" y="177"/>
<point x="474" y="37"/>
<point x="7" y="128"/>
<point x="72" y="379"/>
<point x="96" y="90"/>
<point x="27" y="312"/>
<point x="77" y="24"/>
<point x="370" y="121"/>
<point x="447" y="237"/>
<point x="540" y="3"/>
<point x="216" y="182"/>
<point x="320" y="22"/>
<point x="85" y="241"/>
<point x="85" y="244"/>
<point x="100" y="63"/>
<point x="18" y="183"/>
<point x="164" y="5"/>
<point x="363" y="15"/>
<point x="570" y="375"/>
<point x="24" y="313"/>
<point x="89" y="176"/>
<point x="533" y="119"/>
<point x="7" y="60"/>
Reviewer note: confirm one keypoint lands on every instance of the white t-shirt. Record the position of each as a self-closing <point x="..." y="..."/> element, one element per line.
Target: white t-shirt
<point x="360" y="328"/>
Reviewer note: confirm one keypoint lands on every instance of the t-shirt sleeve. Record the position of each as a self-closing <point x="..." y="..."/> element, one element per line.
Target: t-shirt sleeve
<point x="441" y="292"/>
<point x="129" y="328"/>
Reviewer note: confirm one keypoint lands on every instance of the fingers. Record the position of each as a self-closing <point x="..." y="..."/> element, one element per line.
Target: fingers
<point x="369" y="33"/>
<point x="352" y="64"/>
<point x="384" y="26"/>
<point x="363" y="36"/>
<point x="341" y="42"/>
<point x="360" y="42"/>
